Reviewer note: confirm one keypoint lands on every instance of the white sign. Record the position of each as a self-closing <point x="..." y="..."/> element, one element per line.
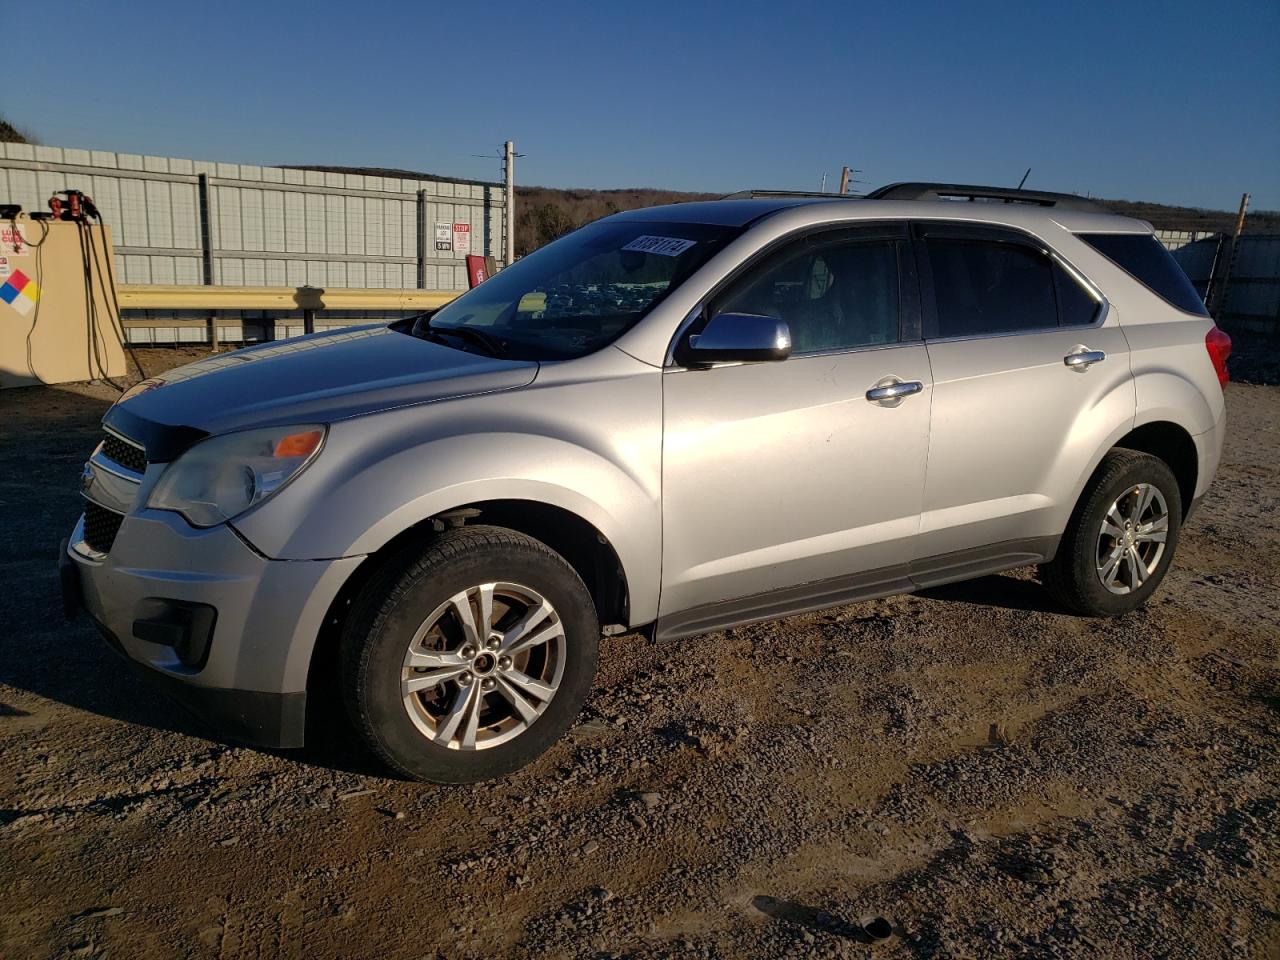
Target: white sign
<point x="662" y="246"/>
<point x="462" y="238"/>
<point x="12" y="239"/>
<point x="444" y="236"/>
<point x="5" y="267"/>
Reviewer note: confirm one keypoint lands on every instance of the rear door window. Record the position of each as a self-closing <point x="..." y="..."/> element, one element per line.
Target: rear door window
<point x="987" y="287"/>
<point x="1145" y="259"/>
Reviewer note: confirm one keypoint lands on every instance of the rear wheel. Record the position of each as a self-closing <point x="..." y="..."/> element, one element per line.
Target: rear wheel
<point x="1121" y="538"/>
<point x="467" y="659"/>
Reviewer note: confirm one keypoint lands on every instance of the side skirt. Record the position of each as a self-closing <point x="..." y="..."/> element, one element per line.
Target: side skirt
<point x="853" y="588"/>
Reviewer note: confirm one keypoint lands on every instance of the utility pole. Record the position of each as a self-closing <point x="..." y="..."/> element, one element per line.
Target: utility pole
<point x="1220" y="291"/>
<point x="844" y="180"/>
<point x="509" y="170"/>
<point x="1244" y="208"/>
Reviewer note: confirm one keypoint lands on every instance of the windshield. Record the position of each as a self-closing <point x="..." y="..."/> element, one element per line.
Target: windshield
<point x="582" y="291"/>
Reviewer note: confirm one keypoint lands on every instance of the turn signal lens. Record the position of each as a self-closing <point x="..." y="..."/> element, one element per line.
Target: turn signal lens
<point x="221" y="477"/>
<point x="299" y="444"/>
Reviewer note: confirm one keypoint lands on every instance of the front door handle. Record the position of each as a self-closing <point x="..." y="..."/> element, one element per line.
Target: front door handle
<point x="1080" y="358"/>
<point x="894" y="391"/>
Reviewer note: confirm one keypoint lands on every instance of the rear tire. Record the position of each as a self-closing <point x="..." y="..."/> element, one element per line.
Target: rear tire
<point x="1121" y="538"/>
<point x="466" y="658"/>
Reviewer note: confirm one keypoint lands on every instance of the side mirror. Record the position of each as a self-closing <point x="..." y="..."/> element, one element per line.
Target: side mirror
<point x="737" y="338"/>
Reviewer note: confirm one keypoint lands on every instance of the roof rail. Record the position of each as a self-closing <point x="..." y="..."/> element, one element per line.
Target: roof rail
<point x="970" y="193"/>
<point x="782" y="194"/>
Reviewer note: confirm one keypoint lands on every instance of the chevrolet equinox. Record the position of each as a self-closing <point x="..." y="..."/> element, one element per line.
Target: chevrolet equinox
<point x="678" y="419"/>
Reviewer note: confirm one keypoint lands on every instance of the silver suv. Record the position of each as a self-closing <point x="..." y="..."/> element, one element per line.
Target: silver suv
<point x="675" y="419"/>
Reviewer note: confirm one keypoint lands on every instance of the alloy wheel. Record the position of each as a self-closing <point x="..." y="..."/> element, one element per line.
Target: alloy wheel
<point x="1132" y="538"/>
<point x="483" y="666"/>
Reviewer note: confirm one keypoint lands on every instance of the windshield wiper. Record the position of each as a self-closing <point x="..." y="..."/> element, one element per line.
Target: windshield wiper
<point x="490" y="344"/>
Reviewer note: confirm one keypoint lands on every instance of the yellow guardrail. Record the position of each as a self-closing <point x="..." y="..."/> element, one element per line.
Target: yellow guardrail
<point x="171" y="297"/>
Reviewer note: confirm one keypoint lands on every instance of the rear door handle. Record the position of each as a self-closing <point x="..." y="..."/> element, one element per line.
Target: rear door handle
<point x="894" y="391"/>
<point x="1079" y="359"/>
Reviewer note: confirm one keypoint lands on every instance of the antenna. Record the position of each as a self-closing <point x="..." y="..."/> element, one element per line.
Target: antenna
<point x="1024" y="178"/>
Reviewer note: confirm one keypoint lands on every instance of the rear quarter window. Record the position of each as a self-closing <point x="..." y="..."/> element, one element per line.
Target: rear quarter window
<point x="1145" y="259"/>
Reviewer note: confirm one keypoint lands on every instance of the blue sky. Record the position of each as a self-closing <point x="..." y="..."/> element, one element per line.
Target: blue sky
<point x="1176" y="102"/>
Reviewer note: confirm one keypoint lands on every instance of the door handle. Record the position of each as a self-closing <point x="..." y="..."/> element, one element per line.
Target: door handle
<point x="894" y="391"/>
<point x="1079" y="359"/>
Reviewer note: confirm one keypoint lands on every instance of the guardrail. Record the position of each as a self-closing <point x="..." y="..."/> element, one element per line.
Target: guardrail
<point x="306" y="300"/>
<point x="171" y="297"/>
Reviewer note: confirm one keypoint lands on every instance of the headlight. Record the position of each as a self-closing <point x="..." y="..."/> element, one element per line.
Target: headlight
<point x="220" y="478"/>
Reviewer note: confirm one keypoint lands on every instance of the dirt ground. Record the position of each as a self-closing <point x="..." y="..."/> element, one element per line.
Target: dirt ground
<point x="991" y="775"/>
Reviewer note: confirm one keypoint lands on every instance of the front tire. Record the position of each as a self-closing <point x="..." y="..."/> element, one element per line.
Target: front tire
<point x="469" y="657"/>
<point x="1121" y="538"/>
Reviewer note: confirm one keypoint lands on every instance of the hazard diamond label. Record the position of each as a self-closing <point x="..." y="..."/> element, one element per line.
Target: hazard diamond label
<point x="20" y="292"/>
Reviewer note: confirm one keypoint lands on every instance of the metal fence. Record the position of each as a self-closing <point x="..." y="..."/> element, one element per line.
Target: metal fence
<point x="1250" y="300"/>
<point x="177" y="221"/>
<point x="1177" y="239"/>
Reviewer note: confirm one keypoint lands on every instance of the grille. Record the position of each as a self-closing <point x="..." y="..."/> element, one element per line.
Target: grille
<point x="100" y="527"/>
<point x="125" y="454"/>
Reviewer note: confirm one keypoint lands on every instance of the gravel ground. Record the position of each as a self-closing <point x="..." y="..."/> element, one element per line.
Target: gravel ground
<point x="991" y="775"/>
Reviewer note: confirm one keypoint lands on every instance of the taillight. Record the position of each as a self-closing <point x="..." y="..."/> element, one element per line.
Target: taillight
<point x="1219" y="346"/>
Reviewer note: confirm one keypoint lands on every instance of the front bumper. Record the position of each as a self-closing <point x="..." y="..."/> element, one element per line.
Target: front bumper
<point x="251" y="684"/>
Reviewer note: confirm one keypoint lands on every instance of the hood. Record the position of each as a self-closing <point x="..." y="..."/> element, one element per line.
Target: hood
<point x="319" y="378"/>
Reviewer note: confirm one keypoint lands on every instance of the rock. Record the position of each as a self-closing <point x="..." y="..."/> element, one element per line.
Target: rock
<point x="651" y="800"/>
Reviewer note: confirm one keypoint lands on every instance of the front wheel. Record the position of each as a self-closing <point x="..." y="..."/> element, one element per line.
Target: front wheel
<point x="467" y="659"/>
<point x="1121" y="538"/>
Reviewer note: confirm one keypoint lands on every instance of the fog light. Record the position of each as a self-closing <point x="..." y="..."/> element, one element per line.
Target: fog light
<point x="185" y="626"/>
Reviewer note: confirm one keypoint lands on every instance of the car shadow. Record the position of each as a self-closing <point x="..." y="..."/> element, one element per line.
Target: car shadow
<point x="103" y="683"/>
<point x="47" y="434"/>
<point x="998" y="590"/>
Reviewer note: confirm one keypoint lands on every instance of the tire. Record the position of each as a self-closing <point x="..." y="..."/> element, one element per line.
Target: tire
<point x="1077" y="577"/>
<point x="414" y="676"/>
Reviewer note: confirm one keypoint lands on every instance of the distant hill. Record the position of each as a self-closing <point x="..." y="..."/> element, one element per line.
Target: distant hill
<point x="1165" y="217"/>
<point x="544" y="213"/>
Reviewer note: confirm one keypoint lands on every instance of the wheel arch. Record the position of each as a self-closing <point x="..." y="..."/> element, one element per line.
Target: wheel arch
<point x="1173" y="444"/>
<point x="1167" y="440"/>
<point x="583" y="546"/>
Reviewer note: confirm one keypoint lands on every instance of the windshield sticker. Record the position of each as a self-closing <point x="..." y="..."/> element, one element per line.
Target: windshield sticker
<point x="662" y="246"/>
